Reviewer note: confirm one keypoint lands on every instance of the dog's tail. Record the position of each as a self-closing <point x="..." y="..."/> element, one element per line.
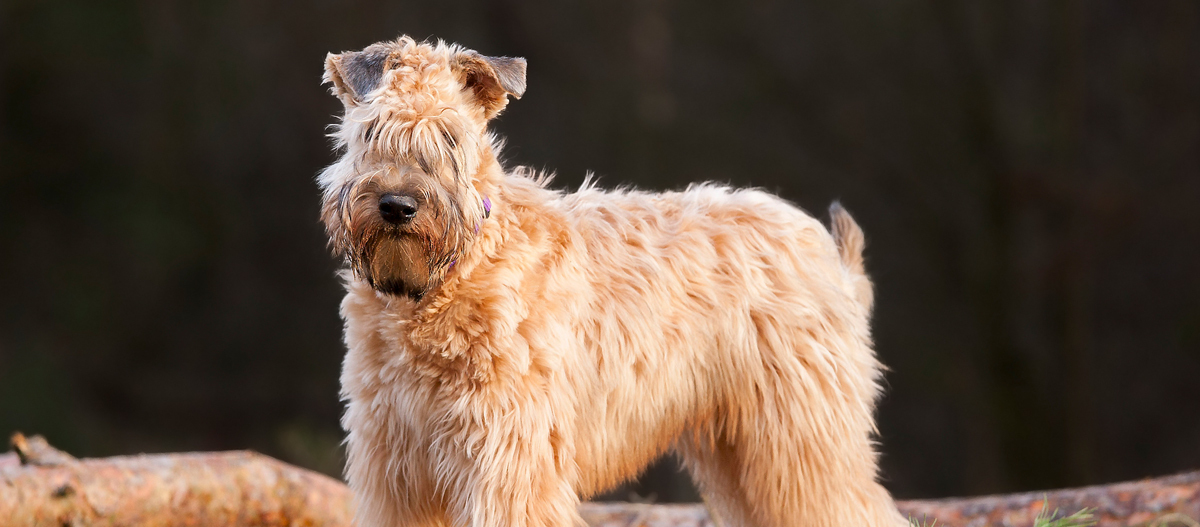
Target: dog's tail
<point x="850" y="243"/>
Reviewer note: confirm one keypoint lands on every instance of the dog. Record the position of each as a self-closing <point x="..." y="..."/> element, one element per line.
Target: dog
<point x="513" y="349"/>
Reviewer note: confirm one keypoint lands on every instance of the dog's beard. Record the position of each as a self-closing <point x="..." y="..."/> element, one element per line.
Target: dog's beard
<point x="407" y="263"/>
<point x="399" y="265"/>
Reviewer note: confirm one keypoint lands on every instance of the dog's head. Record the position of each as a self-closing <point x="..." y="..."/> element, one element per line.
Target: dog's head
<point x="408" y="194"/>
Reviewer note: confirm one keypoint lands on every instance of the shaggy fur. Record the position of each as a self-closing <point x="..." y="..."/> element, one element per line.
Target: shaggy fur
<point x="514" y="349"/>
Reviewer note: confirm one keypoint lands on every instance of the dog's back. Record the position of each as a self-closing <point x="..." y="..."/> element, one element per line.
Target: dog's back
<point x="717" y="320"/>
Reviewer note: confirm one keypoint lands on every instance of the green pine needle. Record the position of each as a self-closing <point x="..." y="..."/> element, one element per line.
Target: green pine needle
<point x="1082" y="518"/>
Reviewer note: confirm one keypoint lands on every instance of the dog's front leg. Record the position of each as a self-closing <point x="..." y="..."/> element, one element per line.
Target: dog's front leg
<point x="510" y="469"/>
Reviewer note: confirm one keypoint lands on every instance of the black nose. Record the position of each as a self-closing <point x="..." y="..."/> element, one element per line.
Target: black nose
<point x="397" y="209"/>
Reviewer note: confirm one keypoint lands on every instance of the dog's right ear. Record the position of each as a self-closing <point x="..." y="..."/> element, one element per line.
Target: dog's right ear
<point x="355" y="74"/>
<point x="490" y="79"/>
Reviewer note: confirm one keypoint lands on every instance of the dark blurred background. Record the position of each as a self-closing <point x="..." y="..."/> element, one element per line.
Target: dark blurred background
<point x="1027" y="172"/>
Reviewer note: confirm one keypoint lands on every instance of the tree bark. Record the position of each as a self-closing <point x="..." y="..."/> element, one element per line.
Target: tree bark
<point x="40" y="486"/>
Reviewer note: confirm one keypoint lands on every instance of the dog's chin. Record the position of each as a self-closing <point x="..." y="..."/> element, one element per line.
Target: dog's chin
<point x="400" y="267"/>
<point x="397" y="288"/>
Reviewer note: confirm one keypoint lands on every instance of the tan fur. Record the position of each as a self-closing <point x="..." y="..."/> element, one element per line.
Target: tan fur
<point x="495" y="377"/>
<point x="851" y="242"/>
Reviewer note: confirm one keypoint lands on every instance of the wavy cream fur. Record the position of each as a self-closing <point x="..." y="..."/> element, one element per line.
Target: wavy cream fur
<point x="575" y="337"/>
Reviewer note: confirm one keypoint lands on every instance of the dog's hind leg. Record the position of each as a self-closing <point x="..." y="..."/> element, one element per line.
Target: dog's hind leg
<point x="794" y="447"/>
<point x="773" y="478"/>
<point x="714" y="466"/>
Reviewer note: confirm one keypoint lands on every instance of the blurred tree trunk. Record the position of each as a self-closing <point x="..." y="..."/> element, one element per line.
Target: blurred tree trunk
<point x="1001" y="406"/>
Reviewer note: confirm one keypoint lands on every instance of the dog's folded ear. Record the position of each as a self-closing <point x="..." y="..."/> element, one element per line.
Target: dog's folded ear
<point x="491" y="79"/>
<point x="354" y="74"/>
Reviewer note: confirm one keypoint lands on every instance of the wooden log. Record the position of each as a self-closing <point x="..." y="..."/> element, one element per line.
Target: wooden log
<point x="197" y="490"/>
<point x="1160" y="502"/>
<point x="44" y="487"/>
<point x="1172" y="501"/>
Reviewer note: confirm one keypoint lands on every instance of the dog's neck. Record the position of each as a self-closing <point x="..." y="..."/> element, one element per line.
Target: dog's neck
<point x="499" y="192"/>
<point x="488" y="181"/>
<point x="523" y="224"/>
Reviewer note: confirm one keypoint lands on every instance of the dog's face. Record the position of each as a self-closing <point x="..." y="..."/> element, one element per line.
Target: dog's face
<point x="402" y="203"/>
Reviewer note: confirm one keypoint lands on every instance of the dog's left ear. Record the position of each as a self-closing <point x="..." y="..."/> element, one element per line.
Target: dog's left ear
<point x="491" y="79"/>
<point x="354" y="74"/>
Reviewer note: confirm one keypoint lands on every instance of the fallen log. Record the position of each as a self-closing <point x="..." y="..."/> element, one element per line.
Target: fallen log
<point x="199" y="490"/>
<point x="41" y="486"/>
<point x="1172" y="501"/>
<point x="1160" y="502"/>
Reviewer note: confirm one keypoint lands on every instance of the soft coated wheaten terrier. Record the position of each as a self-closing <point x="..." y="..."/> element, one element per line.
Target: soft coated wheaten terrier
<point x="514" y="349"/>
